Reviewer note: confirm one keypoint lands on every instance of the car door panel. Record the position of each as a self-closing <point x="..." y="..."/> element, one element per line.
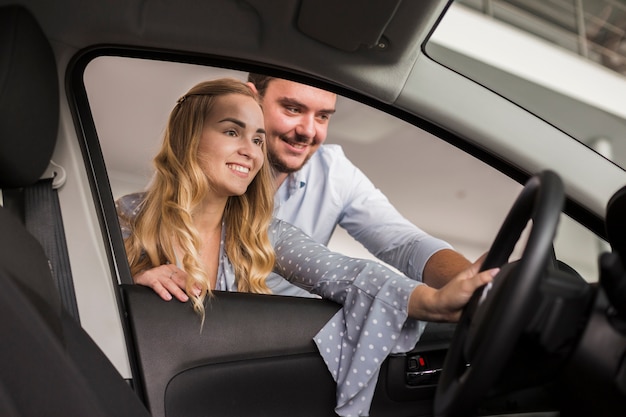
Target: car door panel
<point x="259" y="340"/>
<point x="260" y="345"/>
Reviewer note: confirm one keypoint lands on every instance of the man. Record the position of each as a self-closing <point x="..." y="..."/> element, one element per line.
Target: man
<point x="319" y="188"/>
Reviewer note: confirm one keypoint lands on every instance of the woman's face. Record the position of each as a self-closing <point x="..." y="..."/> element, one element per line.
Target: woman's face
<point x="231" y="146"/>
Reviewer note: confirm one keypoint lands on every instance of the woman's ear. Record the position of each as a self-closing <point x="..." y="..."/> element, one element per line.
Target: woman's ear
<point x="252" y="87"/>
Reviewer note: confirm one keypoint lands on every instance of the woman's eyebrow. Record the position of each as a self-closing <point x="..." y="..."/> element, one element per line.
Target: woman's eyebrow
<point x="233" y="120"/>
<point x="240" y="124"/>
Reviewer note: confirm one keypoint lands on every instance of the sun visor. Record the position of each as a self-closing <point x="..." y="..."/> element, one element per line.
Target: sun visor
<point x="346" y="25"/>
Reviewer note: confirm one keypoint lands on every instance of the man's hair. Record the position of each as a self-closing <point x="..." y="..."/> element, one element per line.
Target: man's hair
<point x="260" y="81"/>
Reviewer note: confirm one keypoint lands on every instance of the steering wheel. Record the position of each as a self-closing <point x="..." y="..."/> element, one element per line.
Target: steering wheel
<point x="497" y="313"/>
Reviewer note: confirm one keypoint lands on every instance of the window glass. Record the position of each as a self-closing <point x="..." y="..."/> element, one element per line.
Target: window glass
<point x="435" y="185"/>
<point x="564" y="61"/>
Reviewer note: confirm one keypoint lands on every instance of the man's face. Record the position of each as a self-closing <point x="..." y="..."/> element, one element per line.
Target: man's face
<point x="296" y="121"/>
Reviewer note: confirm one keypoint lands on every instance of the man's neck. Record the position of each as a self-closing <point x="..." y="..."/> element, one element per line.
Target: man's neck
<point x="279" y="178"/>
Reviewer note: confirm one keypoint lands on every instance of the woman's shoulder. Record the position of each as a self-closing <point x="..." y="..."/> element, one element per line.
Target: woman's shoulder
<point x="279" y="230"/>
<point x="129" y="205"/>
<point x="279" y="226"/>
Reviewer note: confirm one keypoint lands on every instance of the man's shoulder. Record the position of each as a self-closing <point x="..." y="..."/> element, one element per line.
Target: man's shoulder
<point x="331" y="150"/>
<point x="328" y="161"/>
<point x="329" y="156"/>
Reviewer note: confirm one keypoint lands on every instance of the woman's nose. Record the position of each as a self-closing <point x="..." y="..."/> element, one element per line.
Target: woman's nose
<point x="247" y="148"/>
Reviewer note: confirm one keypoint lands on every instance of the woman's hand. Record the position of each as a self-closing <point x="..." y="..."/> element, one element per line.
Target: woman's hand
<point x="166" y="280"/>
<point x="446" y="303"/>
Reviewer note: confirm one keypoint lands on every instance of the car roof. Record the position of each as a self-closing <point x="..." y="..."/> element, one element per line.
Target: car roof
<point x="255" y="30"/>
<point x="386" y="62"/>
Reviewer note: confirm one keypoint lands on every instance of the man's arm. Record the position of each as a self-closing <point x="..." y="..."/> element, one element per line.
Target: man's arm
<point x="442" y="266"/>
<point x="371" y="219"/>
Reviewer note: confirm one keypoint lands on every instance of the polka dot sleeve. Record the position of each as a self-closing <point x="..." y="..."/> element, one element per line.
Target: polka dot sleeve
<point x="372" y="323"/>
<point x="127" y="208"/>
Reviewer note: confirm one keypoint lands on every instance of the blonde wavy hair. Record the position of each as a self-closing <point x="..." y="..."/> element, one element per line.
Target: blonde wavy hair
<point x="165" y="219"/>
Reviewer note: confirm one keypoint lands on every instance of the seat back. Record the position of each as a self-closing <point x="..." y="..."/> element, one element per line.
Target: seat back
<point x="29" y="99"/>
<point x="49" y="365"/>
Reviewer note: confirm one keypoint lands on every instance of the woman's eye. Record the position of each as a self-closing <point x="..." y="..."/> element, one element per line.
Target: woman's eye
<point x="258" y="141"/>
<point x="231" y="132"/>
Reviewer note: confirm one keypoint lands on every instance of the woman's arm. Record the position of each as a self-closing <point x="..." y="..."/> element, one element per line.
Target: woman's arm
<point x="334" y="276"/>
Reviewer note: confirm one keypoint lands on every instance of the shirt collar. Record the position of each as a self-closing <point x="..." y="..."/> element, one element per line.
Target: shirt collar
<point x="296" y="180"/>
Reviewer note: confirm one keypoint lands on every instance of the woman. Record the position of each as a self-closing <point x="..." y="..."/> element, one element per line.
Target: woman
<point x="205" y="223"/>
<point x="210" y="182"/>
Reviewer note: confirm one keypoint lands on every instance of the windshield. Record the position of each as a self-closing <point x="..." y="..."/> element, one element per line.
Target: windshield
<point x="565" y="61"/>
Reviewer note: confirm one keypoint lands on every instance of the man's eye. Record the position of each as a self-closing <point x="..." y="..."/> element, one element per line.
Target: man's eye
<point x="293" y="109"/>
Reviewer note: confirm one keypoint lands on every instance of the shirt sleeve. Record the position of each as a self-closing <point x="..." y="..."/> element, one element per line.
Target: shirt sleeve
<point x="372" y="323"/>
<point x="127" y="208"/>
<point x="280" y="286"/>
<point x="370" y="218"/>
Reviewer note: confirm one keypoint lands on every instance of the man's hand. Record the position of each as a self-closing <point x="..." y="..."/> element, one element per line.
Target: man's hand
<point x="447" y="303"/>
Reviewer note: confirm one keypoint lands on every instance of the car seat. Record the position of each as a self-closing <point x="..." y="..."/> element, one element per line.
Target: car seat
<point x="49" y="364"/>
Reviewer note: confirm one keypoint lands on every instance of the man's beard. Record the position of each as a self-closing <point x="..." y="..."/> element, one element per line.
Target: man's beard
<point x="279" y="165"/>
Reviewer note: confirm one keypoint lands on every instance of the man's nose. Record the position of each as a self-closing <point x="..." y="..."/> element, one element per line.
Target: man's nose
<point x="306" y="126"/>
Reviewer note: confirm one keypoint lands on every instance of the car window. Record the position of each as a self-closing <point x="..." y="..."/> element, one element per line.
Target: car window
<point x="438" y="187"/>
<point x="563" y="61"/>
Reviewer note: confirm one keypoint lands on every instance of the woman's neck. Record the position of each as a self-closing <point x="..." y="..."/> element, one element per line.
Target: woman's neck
<point x="208" y="217"/>
<point x="208" y="222"/>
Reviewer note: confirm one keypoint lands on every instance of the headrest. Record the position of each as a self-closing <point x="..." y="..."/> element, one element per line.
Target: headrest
<point x="29" y="99"/>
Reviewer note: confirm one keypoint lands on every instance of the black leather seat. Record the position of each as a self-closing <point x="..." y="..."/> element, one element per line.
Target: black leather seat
<point x="49" y="365"/>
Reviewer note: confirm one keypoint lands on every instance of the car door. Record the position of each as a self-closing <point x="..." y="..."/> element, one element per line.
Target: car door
<point x="254" y="355"/>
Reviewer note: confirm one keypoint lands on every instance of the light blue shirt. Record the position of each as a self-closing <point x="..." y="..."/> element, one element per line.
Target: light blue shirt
<point x="329" y="191"/>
